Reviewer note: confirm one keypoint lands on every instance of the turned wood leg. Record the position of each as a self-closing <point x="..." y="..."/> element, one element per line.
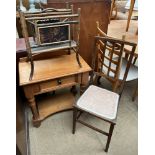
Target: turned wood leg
<point x="33" y="106"/>
<point x="109" y="136"/>
<point x="74" y="119"/>
<point x="29" y="94"/>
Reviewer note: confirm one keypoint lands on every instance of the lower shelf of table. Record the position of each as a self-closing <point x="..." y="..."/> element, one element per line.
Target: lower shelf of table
<point x="50" y="104"/>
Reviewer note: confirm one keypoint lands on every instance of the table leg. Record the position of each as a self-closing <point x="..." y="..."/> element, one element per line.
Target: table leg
<point x="32" y="104"/>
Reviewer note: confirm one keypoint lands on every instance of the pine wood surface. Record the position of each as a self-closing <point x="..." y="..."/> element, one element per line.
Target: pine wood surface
<point x="116" y="29"/>
<point x="50" y="75"/>
<point x="51" y="68"/>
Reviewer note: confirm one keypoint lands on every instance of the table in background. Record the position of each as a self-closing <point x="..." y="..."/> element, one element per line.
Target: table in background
<point x="49" y="75"/>
<point x="117" y="28"/>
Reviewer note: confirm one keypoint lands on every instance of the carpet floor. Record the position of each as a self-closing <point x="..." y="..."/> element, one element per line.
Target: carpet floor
<point x="54" y="136"/>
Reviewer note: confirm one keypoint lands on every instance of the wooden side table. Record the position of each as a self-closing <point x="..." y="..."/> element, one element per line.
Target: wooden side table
<point x="52" y="74"/>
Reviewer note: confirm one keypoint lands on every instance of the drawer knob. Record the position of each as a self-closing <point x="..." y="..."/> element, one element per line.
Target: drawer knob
<point x="59" y="81"/>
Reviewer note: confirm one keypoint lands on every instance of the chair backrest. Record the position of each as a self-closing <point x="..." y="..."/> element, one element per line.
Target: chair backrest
<point x="108" y="52"/>
<point x="113" y="7"/>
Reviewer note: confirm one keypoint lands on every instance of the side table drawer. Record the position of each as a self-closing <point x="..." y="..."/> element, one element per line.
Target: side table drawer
<point x="57" y="83"/>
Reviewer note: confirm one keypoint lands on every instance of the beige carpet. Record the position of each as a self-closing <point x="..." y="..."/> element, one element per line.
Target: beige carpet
<point x="54" y="136"/>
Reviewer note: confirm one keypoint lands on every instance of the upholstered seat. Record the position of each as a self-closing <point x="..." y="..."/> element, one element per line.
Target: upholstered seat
<point x="100" y="102"/>
<point x="132" y="74"/>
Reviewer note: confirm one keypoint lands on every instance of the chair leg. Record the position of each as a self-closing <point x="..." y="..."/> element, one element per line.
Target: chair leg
<point x="74" y="119"/>
<point x="109" y="136"/>
<point x="135" y="94"/>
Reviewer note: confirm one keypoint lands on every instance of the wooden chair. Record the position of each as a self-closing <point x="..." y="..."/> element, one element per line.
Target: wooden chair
<point x="132" y="3"/>
<point x="116" y="14"/>
<point x="135" y="93"/>
<point x="113" y="8"/>
<point x="116" y="10"/>
<point x="97" y="101"/>
<point x="133" y="72"/>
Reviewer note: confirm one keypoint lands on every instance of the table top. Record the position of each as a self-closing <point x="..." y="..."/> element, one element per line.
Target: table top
<point x="116" y="29"/>
<point x="48" y="69"/>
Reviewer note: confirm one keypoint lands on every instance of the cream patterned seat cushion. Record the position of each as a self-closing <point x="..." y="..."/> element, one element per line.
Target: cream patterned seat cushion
<point x="100" y="102"/>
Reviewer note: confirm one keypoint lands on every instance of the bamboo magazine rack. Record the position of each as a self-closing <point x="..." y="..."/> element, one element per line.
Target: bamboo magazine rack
<point x="53" y="30"/>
